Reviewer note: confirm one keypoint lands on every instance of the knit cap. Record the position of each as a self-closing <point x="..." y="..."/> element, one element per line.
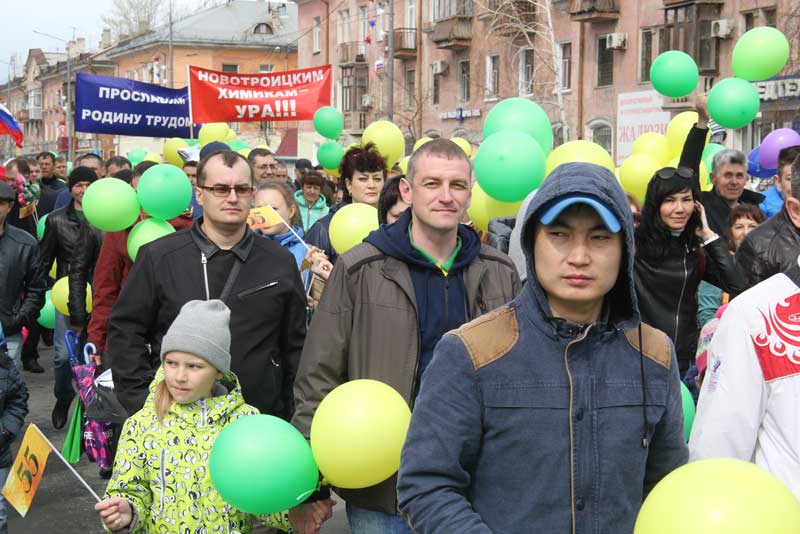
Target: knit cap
<point x="81" y="174"/>
<point x="201" y="328"/>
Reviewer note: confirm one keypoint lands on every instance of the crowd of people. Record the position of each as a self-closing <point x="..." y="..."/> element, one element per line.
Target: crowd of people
<point x="543" y="359"/>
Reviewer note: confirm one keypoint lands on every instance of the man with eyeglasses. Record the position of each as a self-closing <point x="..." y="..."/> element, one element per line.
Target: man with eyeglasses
<point x="264" y="164"/>
<point x="217" y="258"/>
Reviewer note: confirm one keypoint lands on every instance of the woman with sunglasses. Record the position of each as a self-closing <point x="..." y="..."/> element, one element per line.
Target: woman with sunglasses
<point x="676" y="249"/>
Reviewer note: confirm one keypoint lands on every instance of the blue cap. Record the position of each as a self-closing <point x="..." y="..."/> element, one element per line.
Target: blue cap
<point x="608" y="218"/>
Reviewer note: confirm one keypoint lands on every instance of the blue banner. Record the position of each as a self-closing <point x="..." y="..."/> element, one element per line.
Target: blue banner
<point x="126" y="107"/>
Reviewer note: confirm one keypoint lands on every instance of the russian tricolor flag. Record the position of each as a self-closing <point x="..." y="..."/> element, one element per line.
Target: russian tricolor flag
<point x="9" y="126"/>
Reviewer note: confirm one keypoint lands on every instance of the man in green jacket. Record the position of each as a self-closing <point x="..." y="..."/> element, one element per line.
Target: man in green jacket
<point x="310" y="202"/>
<point x="390" y="299"/>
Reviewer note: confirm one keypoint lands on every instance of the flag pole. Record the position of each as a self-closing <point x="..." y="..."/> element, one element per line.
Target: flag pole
<point x="72" y="469"/>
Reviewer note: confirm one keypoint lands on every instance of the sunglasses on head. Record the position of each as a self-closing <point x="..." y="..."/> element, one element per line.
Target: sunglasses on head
<point x="668" y="173"/>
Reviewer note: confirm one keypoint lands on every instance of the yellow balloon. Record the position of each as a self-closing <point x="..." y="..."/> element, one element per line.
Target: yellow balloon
<point x="152" y="156"/>
<point x="53" y="270"/>
<point x="421" y="141"/>
<point x="728" y="497"/>
<point x="678" y="129"/>
<point x="60" y="296"/>
<point x="404" y="164"/>
<point x="705" y="177"/>
<point x="244" y="151"/>
<point x="387" y="138"/>
<point x="580" y="150"/>
<point x="358" y="432"/>
<point x="636" y="172"/>
<point x="351" y="224"/>
<point x="171" y="147"/>
<point x="465" y="145"/>
<point x="483" y="208"/>
<point x="213" y="131"/>
<point x="230" y="136"/>
<point x="653" y="144"/>
<point x="333" y="173"/>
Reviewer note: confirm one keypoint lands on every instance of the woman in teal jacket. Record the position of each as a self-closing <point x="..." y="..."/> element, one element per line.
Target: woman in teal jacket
<point x="309" y="198"/>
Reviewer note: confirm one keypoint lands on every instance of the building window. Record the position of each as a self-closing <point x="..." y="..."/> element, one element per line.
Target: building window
<point x="463" y="81"/>
<point x="707" y="58"/>
<point x="770" y="17"/>
<point x="749" y="20"/>
<point x="492" y="76"/>
<point x="343" y="27"/>
<point x="601" y="134"/>
<point x="646" y="54"/>
<point x="410" y="89"/>
<point x="452" y="8"/>
<point x="316" y="35"/>
<point x="363" y="23"/>
<point x="605" y="63"/>
<point x="565" y="51"/>
<point x="411" y="10"/>
<point x="348" y="88"/>
<point x="266" y="68"/>
<point x="262" y="28"/>
<point x="526" y="71"/>
<point x="435" y="83"/>
<point x="230" y="67"/>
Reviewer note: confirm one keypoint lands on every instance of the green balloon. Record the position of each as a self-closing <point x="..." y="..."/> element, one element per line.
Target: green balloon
<point x="40" y="226"/>
<point x="733" y="103"/>
<point x="688" y="410"/>
<point x="136" y="156"/>
<point x="144" y="232"/>
<point x="709" y="152"/>
<point x="110" y="204"/>
<point x="237" y="145"/>
<point x="47" y="315"/>
<point x="674" y="74"/>
<point x="330" y="154"/>
<point x="164" y="191"/>
<point x="760" y="53"/>
<point x="509" y="165"/>
<point x="261" y="464"/>
<point x="328" y="122"/>
<point x="523" y="115"/>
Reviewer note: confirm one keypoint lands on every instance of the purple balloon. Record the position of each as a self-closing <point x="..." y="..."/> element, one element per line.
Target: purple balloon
<point x="773" y="143"/>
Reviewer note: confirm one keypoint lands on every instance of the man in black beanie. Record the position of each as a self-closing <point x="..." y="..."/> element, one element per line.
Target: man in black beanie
<point x="75" y="245"/>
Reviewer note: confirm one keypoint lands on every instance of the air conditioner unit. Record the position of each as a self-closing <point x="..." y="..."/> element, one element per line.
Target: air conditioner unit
<point x="722" y="28"/>
<point x="616" y="41"/>
<point x="440" y="67"/>
<point x="366" y="101"/>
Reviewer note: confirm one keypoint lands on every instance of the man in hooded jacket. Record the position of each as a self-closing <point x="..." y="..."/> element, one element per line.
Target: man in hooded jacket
<point x="390" y="299"/>
<point x="562" y="410"/>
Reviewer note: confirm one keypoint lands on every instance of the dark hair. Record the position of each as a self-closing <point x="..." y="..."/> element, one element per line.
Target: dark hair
<point x="652" y="235"/>
<point x="189" y="164"/>
<point x="742" y="211"/>
<point x="312" y="178"/>
<point x="359" y="159"/>
<point x="119" y="161"/>
<point x="87" y="156"/>
<point x="46" y="155"/>
<point x="787" y="156"/>
<point x="142" y="166"/>
<point x="22" y="166"/>
<point x="328" y="191"/>
<point x="442" y="148"/>
<point x="287" y="193"/>
<point x="390" y="194"/>
<point x="126" y="175"/>
<point x="257" y="152"/>
<point x="229" y="159"/>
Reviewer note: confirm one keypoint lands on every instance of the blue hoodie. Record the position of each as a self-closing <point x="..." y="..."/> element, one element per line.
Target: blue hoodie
<point x="441" y="298"/>
<point x="525" y="423"/>
<point x="295" y="246"/>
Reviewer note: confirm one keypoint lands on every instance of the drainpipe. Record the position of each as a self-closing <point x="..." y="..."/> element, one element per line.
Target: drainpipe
<point x="418" y="46"/>
<point x="582" y="47"/>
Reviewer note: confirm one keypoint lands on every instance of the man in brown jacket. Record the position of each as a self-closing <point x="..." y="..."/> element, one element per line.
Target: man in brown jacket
<point x="390" y="299"/>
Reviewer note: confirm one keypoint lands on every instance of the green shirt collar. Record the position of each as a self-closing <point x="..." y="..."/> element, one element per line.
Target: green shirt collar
<point x="447" y="264"/>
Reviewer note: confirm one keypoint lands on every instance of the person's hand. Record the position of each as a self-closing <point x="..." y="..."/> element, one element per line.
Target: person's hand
<point x="97" y="359"/>
<point x="307" y="518"/>
<point x="321" y="267"/>
<point x="701" y="107"/>
<point x="704" y="232"/>
<point x="115" y="513"/>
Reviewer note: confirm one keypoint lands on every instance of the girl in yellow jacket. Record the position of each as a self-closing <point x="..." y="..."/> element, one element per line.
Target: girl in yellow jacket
<point x="161" y="481"/>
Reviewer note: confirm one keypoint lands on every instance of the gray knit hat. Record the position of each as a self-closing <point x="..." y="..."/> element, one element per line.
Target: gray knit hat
<point x="201" y="328"/>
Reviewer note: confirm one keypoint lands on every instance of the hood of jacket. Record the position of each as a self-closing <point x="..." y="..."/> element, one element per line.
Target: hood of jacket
<point x="319" y="205"/>
<point x="287" y="239"/>
<point x="393" y="240"/>
<point x="598" y="182"/>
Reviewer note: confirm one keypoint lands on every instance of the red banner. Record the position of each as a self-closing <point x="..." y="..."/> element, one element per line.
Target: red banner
<point x="278" y="96"/>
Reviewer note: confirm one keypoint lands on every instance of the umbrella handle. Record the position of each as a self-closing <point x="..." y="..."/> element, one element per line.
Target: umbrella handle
<point x="71" y="340"/>
<point x="86" y="353"/>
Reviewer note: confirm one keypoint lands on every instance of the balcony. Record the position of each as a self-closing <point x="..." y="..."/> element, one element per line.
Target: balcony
<point x="354" y="121"/>
<point x="593" y="10"/>
<point x="453" y="27"/>
<point x="352" y="52"/>
<point x="35" y="113"/>
<point x="510" y="18"/>
<point x="405" y="43"/>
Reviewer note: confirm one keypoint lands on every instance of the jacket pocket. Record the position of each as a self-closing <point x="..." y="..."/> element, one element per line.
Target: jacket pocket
<point x="620" y="417"/>
<point x="256" y="289"/>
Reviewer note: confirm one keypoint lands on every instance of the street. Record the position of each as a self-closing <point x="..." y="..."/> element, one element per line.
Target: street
<point x="62" y="504"/>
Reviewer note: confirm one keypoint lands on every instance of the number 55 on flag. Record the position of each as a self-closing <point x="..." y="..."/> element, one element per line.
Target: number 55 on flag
<point x="27" y="470"/>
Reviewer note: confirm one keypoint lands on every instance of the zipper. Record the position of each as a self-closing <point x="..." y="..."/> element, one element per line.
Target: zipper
<point x="680" y="298"/>
<point x="419" y="342"/>
<point x="203" y="413"/>
<point x="163" y="479"/>
<point x="446" y="303"/>
<point x="204" y="261"/>
<point x="571" y="439"/>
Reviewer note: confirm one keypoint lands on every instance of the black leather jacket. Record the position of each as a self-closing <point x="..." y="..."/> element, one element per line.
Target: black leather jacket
<point x="75" y="244"/>
<point x="22" y="280"/>
<point x="769" y="249"/>
<point x="667" y="290"/>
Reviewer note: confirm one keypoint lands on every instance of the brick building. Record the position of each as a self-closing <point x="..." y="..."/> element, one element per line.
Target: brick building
<point x="587" y="63"/>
